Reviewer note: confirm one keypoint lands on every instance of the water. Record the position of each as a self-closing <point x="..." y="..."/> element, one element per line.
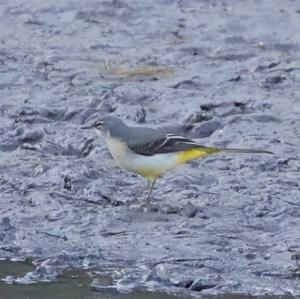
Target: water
<point x="77" y="284"/>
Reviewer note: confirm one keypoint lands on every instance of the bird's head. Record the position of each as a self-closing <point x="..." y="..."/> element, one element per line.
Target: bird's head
<point x="107" y="126"/>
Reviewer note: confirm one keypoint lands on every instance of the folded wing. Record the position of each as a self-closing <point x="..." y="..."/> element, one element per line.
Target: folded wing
<point x="172" y="143"/>
<point x="167" y="144"/>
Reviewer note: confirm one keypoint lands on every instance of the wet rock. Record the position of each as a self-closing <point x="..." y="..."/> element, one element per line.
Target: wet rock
<point x="27" y="110"/>
<point x="204" y="283"/>
<point x="32" y="115"/>
<point x="196" y="117"/>
<point x="86" y="147"/>
<point x="296" y="256"/>
<point x="140" y="116"/>
<point x="31" y="147"/>
<point x="106" y="107"/>
<point x="228" y="109"/>
<point x="88" y="115"/>
<point x="71" y="114"/>
<point x="182" y="283"/>
<point x="8" y="145"/>
<point x="67" y="183"/>
<point x="190" y="210"/>
<point x="195" y="83"/>
<point x="57" y="149"/>
<point x="271" y="65"/>
<point x="235" y="79"/>
<point x="5" y="224"/>
<point x="250" y="256"/>
<point x="52" y="217"/>
<point x="234" y="56"/>
<point x="208" y="107"/>
<point x="52" y="113"/>
<point x="272" y="81"/>
<point x="263" y="118"/>
<point x="30" y="136"/>
<point x="267" y="256"/>
<point x="172" y="210"/>
<point x="207" y="128"/>
<point x="7" y="236"/>
<point x="235" y="39"/>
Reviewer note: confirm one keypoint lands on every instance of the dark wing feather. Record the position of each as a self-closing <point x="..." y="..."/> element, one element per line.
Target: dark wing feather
<point x="148" y="142"/>
<point x="164" y="144"/>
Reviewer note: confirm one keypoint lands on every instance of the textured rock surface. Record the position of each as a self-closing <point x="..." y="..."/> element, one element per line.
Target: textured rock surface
<point x="225" y="72"/>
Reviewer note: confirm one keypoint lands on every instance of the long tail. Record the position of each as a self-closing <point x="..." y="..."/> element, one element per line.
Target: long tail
<point x="242" y="151"/>
<point x="202" y="151"/>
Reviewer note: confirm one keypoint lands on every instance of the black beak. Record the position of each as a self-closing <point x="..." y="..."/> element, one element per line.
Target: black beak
<point x="87" y="127"/>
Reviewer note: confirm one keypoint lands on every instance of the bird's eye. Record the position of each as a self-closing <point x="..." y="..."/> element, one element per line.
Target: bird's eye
<point x="99" y="123"/>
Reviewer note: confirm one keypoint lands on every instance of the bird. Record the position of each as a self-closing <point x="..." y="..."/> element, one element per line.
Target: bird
<point x="150" y="152"/>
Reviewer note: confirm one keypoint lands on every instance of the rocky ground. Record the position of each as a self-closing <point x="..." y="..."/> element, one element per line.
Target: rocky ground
<point x="226" y="72"/>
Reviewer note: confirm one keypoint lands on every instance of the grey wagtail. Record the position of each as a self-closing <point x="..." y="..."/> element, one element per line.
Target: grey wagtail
<point x="151" y="153"/>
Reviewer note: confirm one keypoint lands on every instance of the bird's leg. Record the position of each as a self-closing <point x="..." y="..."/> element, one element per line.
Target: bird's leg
<point x="148" y="190"/>
<point x="150" y="186"/>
